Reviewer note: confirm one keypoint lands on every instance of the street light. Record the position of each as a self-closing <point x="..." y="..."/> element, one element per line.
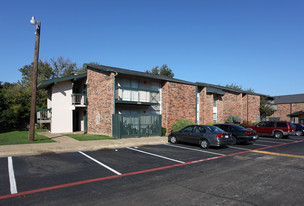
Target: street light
<point x="34" y="86"/>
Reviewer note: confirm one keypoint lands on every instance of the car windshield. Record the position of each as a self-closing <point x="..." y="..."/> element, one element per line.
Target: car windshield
<point x="214" y="129"/>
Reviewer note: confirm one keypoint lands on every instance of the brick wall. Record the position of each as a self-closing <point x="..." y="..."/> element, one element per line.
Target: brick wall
<point x="178" y="102"/>
<point x="206" y="107"/>
<point x="232" y="106"/>
<point x="284" y="109"/>
<point x="253" y="108"/>
<point x="100" y="101"/>
<point x="229" y="104"/>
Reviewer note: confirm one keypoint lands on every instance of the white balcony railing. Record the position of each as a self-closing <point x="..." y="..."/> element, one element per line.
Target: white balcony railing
<point x="44" y="116"/>
<point x="137" y="95"/>
<point x="79" y="99"/>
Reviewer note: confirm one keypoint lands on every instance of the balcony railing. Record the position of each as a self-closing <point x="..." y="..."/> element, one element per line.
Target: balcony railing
<point x="139" y="96"/>
<point x="79" y="99"/>
<point x="44" y="115"/>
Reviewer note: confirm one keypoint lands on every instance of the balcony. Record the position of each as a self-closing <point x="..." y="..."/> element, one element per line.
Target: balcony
<point x="136" y="96"/>
<point x="44" y="115"/>
<point x="79" y="100"/>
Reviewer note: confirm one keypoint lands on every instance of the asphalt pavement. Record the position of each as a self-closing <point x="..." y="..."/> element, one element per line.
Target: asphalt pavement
<point x="67" y="144"/>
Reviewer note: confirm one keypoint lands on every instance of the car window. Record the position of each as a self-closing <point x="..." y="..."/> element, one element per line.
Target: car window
<point x="223" y="127"/>
<point x="269" y="124"/>
<point x="201" y="129"/>
<point x="187" y="129"/>
<point x="261" y="124"/>
<point x="214" y="129"/>
<point x="290" y="124"/>
<point x="282" y="124"/>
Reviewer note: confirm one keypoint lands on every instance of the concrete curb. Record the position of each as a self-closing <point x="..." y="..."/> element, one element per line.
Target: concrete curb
<point x="68" y="144"/>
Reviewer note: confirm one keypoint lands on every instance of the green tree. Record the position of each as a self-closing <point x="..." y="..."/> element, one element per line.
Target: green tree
<point x="266" y="109"/>
<point x="238" y="87"/>
<point x="15" y="106"/>
<point x="63" y="67"/>
<point x="163" y="71"/>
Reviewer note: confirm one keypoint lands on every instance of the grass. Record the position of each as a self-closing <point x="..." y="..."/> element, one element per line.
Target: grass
<point x="85" y="137"/>
<point x="21" y="137"/>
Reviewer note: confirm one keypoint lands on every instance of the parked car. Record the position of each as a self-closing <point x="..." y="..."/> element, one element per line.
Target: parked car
<point x="278" y="129"/>
<point x="202" y="135"/>
<point x="299" y="129"/>
<point x="239" y="134"/>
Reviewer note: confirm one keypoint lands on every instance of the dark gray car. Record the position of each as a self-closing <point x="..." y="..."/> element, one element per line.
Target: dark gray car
<point x="202" y="135"/>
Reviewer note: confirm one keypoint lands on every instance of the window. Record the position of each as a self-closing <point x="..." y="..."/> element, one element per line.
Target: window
<point x="269" y="124"/>
<point x="215" y="98"/>
<point x="214" y="117"/>
<point x="199" y="130"/>
<point x="282" y="124"/>
<point x="187" y="129"/>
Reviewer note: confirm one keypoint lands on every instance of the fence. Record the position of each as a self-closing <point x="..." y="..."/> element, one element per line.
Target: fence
<point x="136" y="125"/>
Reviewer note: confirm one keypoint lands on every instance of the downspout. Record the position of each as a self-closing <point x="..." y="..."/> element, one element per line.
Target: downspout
<point x="113" y="132"/>
<point x="290" y="111"/>
<point x="247" y="107"/>
<point x="114" y="85"/>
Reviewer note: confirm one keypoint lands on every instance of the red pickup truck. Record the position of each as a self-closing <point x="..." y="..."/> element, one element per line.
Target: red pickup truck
<point x="278" y="129"/>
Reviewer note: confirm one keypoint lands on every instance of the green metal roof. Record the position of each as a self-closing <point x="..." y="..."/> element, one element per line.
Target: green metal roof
<point x="216" y="89"/>
<point x="137" y="73"/>
<point x="47" y="83"/>
<point x="295" y="114"/>
<point x="221" y="89"/>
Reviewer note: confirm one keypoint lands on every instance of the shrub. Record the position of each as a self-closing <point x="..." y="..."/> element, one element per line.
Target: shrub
<point x="164" y="131"/>
<point x="180" y="124"/>
<point x="233" y="120"/>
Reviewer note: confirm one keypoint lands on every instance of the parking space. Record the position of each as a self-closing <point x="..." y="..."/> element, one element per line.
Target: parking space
<point x="35" y="172"/>
<point x="4" y="177"/>
<point x="32" y="172"/>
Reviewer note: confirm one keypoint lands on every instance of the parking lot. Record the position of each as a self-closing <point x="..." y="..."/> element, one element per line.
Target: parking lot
<point x="44" y="179"/>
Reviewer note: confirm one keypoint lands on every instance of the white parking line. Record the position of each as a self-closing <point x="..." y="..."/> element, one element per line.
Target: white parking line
<point x="239" y="148"/>
<point x="13" y="185"/>
<point x="100" y="163"/>
<point x="155" y="155"/>
<point x="194" y="149"/>
<point x="269" y="141"/>
<point x="261" y="145"/>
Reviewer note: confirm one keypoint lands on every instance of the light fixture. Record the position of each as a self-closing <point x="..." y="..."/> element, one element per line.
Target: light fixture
<point x="33" y="21"/>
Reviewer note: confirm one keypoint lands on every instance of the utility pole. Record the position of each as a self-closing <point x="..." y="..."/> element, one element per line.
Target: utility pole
<point x="34" y="86"/>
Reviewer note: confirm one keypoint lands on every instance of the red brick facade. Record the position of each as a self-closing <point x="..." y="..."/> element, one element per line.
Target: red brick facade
<point x="205" y="107"/>
<point x="100" y="101"/>
<point x="178" y="102"/>
<point x="252" y="112"/>
<point x="283" y="110"/>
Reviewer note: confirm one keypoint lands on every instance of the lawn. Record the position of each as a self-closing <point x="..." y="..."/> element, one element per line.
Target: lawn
<point x="85" y="137"/>
<point x="21" y="137"/>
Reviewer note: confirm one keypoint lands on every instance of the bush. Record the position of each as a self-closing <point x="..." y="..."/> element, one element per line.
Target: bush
<point x="164" y="131"/>
<point x="233" y="120"/>
<point x="180" y="124"/>
<point x="247" y="123"/>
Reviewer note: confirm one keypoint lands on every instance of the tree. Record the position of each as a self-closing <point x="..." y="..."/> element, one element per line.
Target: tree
<point x="15" y="107"/>
<point x="238" y="87"/>
<point x="163" y="71"/>
<point x="63" y="67"/>
<point x="266" y="109"/>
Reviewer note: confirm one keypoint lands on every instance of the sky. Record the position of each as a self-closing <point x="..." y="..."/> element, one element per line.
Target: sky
<point x="256" y="44"/>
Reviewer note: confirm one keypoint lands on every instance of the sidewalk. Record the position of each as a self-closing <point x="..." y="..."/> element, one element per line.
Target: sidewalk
<point x="68" y="144"/>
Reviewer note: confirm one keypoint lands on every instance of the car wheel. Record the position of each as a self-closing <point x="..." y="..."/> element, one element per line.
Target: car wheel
<point x="278" y="135"/>
<point x="299" y="133"/>
<point x="204" y="144"/>
<point x="173" y="140"/>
